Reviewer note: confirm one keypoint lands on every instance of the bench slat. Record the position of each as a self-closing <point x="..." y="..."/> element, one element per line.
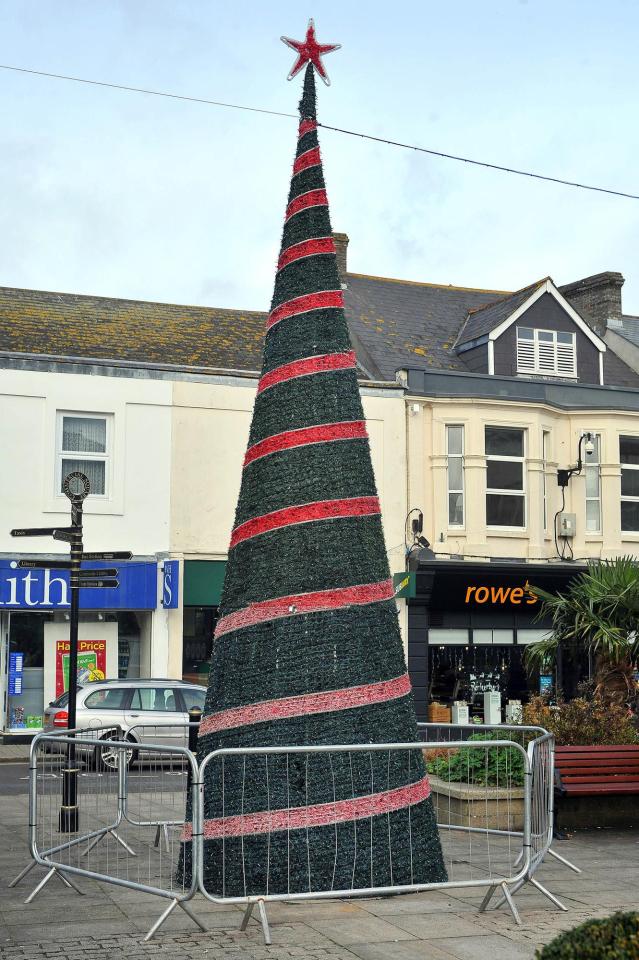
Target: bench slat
<point x="599" y="771"/>
<point x="599" y="748"/>
<point x="589" y="778"/>
<point x="581" y="789"/>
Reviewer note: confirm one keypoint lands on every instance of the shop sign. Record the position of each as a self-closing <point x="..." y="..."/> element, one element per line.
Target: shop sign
<point x="500" y="596"/>
<point x="24" y="589"/>
<point x="91" y="663"/>
<point x="405" y="585"/>
<point x="16" y="661"/>
<point x="170" y="584"/>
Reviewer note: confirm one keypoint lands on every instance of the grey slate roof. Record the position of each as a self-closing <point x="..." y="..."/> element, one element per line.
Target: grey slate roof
<point x="630" y="328"/>
<point x="394" y="324"/>
<point x="405" y="324"/>
<point x="481" y="320"/>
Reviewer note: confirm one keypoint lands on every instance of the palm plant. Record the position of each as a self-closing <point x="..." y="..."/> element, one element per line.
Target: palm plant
<point x="597" y="615"/>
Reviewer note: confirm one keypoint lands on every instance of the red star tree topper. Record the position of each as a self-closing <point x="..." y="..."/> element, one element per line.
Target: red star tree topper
<point x="310" y="51"/>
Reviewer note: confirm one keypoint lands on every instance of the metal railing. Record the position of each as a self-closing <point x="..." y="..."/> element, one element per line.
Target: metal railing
<point x="266" y="847"/>
<point x="110" y="846"/>
<point x="493" y="800"/>
<point x="540" y="746"/>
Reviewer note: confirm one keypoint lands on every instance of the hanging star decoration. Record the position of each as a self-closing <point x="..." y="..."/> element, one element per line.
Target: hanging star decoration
<point x="310" y="51"/>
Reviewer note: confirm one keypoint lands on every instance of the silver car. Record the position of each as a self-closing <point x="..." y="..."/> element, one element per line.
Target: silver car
<point x="142" y="711"/>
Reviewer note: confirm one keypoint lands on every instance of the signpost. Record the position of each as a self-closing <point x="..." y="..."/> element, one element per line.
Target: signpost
<point x="76" y="487"/>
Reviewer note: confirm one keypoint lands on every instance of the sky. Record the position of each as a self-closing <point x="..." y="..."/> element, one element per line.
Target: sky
<point x="126" y="195"/>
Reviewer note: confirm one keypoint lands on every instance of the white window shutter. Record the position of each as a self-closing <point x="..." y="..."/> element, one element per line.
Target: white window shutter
<point x="546" y="357"/>
<point x="566" y="359"/>
<point x="525" y="356"/>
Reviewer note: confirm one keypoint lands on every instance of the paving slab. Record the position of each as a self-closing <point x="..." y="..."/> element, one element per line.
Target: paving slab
<point x="433" y="926"/>
<point x="109" y="922"/>
<point x="404" y="950"/>
<point x="361" y="929"/>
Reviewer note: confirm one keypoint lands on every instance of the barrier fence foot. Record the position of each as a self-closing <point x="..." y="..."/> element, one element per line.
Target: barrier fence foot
<point x="563" y="860"/>
<point x="167" y="913"/>
<point x="511" y="903"/>
<point x="547" y="893"/>
<point x="264" y="921"/>
<point x="115" y="836"/>
<point x="247" y="914"/>
<point x="261" y="908"/>
<point x="193" y="917"/>
<point x="502" y="900"/>
<point x="489" y="895"/>
<point x="22" y="874"/>
<point x="160" y="920"/>
<point x="65" y="880"/>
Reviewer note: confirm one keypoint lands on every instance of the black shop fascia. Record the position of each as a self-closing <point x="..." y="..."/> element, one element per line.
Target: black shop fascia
<point x="469" y="624"/>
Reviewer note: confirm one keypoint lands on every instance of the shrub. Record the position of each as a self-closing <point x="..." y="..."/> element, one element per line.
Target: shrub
<point x="494" y="767"/>
<point x="614" y="938"/>
<point x="582" y="721"/>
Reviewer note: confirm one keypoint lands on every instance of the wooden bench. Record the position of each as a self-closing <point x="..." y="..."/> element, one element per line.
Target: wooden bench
<point x="593" y="771"/>
<point x="597" y="772"/>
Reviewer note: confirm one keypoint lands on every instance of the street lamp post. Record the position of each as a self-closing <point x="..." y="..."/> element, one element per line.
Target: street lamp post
<point x="76" y="487"/>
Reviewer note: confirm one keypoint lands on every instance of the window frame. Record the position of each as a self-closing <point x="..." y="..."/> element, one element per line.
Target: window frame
<point x="492" y="491"/>
<point x="545" y="448"/>
<point x="593" y="466"/>
<point x="627" y="499"/>
<point x="106" y="457"/>
<point x="449" y="490"/>
<point x="536" y="369"/>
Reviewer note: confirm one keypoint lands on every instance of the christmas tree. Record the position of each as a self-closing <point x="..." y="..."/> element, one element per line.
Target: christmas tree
<point x="307" y="647"/>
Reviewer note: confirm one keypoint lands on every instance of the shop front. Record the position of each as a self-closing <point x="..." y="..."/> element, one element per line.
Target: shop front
<point x="468" y="628"/>
<point x="114" y="636"/>
<point x="203" y="581"/>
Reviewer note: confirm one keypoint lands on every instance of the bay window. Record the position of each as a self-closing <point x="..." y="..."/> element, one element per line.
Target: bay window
<point x="505" y="477"/>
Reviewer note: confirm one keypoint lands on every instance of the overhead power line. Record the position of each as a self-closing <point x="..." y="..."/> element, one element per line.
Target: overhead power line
<point x="325" y="126"/>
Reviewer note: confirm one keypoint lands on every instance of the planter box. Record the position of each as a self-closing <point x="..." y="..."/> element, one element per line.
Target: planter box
<point x="468" y="805"/>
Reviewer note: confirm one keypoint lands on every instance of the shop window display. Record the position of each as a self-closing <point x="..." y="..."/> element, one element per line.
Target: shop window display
<point x="199" y="625"/>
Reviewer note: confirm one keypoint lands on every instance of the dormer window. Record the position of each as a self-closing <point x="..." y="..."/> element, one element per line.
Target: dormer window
<point x="546" y="352"/>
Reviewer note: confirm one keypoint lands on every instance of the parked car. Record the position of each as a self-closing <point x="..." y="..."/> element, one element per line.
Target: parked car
<point x="142" y="711"/>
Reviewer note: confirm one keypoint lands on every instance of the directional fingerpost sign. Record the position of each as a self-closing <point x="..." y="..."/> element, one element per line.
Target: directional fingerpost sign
<point x="108" y="555"/>
<point x="76" y="487"/>
<point x="100" y="574"/>
<point x="98" y="584"/>
<point x="45" y="564"/>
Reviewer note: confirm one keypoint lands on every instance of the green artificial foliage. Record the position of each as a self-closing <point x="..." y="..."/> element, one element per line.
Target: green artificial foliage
<point x="494" y="767"/>
<point x="338" y="840"/>
<point x="614" y="938"/>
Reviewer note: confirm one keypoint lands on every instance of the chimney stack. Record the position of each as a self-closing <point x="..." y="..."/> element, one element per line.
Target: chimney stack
<point x="597" y="299"/>
<point x="341" y="246"/>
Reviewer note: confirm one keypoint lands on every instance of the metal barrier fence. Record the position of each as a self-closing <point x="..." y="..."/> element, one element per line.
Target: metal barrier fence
<point x="540" y="746"/>
<point x="122" y="805"/>
<point x="478" y="851"/>
<point x="493" y="800"/>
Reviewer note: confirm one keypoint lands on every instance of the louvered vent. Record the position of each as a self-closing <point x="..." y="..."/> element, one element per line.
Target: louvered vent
<point x="546" y="352"/>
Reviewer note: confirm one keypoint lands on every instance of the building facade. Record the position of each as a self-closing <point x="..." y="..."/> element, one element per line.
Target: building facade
<point x="474" y="400"/>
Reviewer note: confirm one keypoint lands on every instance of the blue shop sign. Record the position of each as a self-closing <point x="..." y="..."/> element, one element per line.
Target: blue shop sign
<point x="49" y="589"/>
<point x="170" y="584"/>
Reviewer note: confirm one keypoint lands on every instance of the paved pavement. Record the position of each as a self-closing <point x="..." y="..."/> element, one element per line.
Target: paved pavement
<point x="14" y="752"/>
<point x="109" y="921"/>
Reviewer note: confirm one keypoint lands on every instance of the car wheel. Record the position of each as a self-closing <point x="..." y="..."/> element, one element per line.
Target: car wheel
<point x="105" y="758"/>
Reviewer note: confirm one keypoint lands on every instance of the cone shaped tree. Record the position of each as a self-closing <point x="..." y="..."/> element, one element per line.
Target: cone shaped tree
<point x="307" y="647"/>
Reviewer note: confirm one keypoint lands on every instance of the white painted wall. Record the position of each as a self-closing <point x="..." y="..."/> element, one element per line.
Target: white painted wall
<point x="136" y="514"/>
